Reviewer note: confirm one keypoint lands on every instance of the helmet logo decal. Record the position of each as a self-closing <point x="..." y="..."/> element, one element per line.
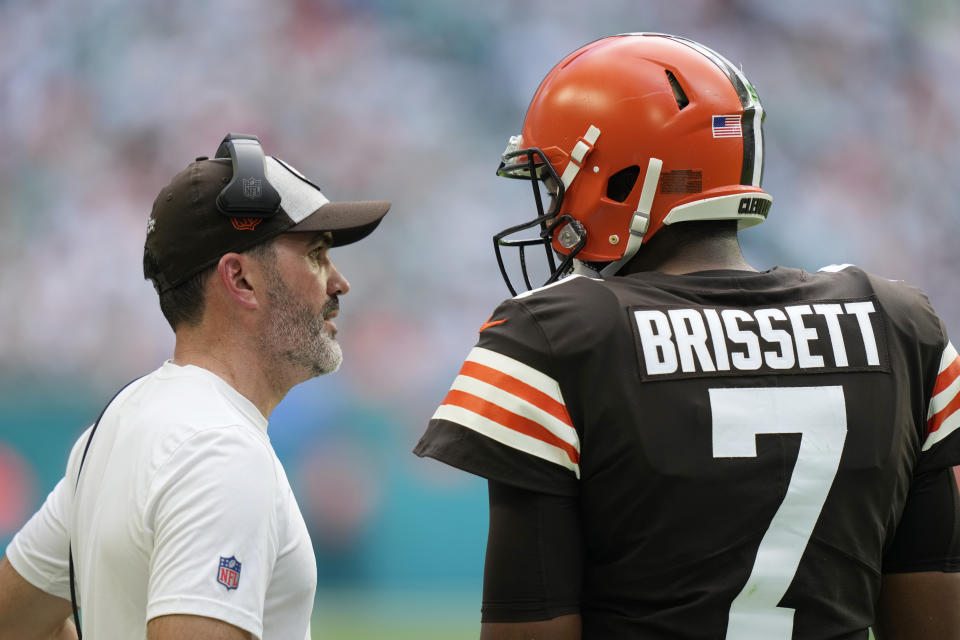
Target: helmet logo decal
<point x="681" y="181"/>
<point x="727" y="127"/>
<point x="491" y="323"/>
<point x="252" y="188"/>
<point x="754" y="206"/>
<point x="245" y="224"/>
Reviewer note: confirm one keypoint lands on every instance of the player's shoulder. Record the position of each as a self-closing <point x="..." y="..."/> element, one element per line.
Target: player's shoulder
<point x="906" y="306"/>
<point x="851" y="276"/>
<point x="562" y="290"/>
<point x="562" y="320"/>
<point x="585" y="303"/>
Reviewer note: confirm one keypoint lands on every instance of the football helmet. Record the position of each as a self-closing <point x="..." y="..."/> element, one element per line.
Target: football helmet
<point x="627" y="134"/>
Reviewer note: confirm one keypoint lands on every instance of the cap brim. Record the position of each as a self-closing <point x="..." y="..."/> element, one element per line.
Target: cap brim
<point x="346" y="221"/>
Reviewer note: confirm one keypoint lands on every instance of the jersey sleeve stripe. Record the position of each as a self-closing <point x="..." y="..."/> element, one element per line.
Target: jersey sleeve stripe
<point x="519" y="406"/>
<point x="949" y="369"/>
<point x="944" y="398"/>
<point x="510" y="420"/>
<point x="508" y="436"/>
<point x="514" y="404"/>
<point x="517" y="388"/>
<point x="946" y="389"/>
<point x="947" y="425"/>
<point x="516" y="369"/>
<point x="941" y="402"/>
<point x="942" y="415"/>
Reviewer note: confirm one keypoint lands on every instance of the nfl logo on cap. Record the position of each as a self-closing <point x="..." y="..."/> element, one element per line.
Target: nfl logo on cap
<point x="252" y="188"/>
<point x="229" y="574"/>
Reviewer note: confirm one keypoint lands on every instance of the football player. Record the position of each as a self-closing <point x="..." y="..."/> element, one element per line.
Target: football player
<point x="676" y="444"/>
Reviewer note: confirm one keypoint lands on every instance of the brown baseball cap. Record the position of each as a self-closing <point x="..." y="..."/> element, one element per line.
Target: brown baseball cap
<point x="189" y="231"/>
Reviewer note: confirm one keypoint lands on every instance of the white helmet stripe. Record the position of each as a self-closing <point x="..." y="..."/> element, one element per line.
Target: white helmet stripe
<point x="757" y="146"/>
<point x="752" y="123"/>
<point x="752" y="120"/>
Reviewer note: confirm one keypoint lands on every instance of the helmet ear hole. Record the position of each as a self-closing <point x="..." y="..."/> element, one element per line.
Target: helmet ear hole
<point x="678" y="93"/>
<point x="621" y="183"/>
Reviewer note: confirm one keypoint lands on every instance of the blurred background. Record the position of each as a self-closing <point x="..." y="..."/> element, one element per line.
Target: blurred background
<point x="102" y="101"/>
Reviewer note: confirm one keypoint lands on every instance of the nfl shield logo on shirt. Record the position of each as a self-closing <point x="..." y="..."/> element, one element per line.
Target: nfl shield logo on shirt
<point x="229" y="574"/>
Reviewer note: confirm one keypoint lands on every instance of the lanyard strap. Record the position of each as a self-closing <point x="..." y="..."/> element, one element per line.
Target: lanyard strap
<point x="73" y="592"/>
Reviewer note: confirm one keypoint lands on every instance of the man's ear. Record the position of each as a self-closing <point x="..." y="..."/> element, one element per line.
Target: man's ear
<point x="234" y="274"/>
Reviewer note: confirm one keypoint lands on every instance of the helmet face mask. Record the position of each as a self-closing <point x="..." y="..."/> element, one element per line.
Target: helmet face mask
<point x="531" y="164"/>
<point x="627" y="134"/>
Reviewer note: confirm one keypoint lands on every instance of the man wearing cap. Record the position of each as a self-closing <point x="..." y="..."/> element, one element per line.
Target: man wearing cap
<point x="175" y="518"/>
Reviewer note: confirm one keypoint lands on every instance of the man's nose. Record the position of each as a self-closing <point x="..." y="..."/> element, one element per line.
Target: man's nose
<point x="337" y="285"/>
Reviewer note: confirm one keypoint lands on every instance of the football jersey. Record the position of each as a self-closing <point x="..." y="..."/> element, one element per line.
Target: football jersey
<point x="742" y="444"/>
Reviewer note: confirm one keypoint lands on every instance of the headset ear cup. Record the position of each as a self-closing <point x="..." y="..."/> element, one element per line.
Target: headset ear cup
<point x="249" y="193"/>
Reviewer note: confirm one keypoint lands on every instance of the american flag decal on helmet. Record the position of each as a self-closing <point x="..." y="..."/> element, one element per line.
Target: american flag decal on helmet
<point x="727" y="126"/>
<point x="943" y="416"/>
<point x="514" y="404"/>
<point x="229" y="573"/>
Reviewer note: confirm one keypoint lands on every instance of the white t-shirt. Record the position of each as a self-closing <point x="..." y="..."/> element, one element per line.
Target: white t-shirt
<point x="182" y="508"/>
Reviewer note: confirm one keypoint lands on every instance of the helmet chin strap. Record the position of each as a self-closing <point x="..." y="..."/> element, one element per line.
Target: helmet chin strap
<point x="638" y="224"/>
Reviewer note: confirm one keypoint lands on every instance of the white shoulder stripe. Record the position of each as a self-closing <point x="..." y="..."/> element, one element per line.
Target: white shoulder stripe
<point x="949" y="355"/>
<point x="949" y="425"/>
<point x="834" y="268"/>
<point x="519" y="370"/>
<point x="506" y="436"/>
<point x="548" y="286"/>
<point x="940" y="401"/>
<point x="519" y="406"/>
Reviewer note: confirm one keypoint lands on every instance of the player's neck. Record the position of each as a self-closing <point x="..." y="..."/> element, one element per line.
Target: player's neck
<point x="685" y="248"/>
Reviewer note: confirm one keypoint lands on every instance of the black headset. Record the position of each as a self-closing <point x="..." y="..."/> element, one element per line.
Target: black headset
<point x="248" y="194"/>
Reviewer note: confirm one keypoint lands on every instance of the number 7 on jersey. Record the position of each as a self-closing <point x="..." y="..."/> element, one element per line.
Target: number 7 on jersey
<point x="819" y="415"/>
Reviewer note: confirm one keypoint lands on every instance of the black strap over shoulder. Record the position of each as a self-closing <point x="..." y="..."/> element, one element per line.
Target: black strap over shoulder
<point x="86" y="448"/>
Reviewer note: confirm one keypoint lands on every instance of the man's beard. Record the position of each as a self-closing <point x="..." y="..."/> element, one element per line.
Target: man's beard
<point x="294" y="332"/>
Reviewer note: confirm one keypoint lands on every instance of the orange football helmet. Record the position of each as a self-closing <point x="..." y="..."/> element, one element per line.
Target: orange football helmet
<point x="630" y="133"/>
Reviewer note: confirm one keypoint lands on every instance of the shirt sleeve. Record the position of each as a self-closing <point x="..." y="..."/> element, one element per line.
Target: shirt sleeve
<point x="41" y="549"/>
<point x="505" y="417"/>
<point x="941" y="446"/>
<point x="928" y="535"/>
<point x="533" y="567"/>
<point x="213" y="511"/>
